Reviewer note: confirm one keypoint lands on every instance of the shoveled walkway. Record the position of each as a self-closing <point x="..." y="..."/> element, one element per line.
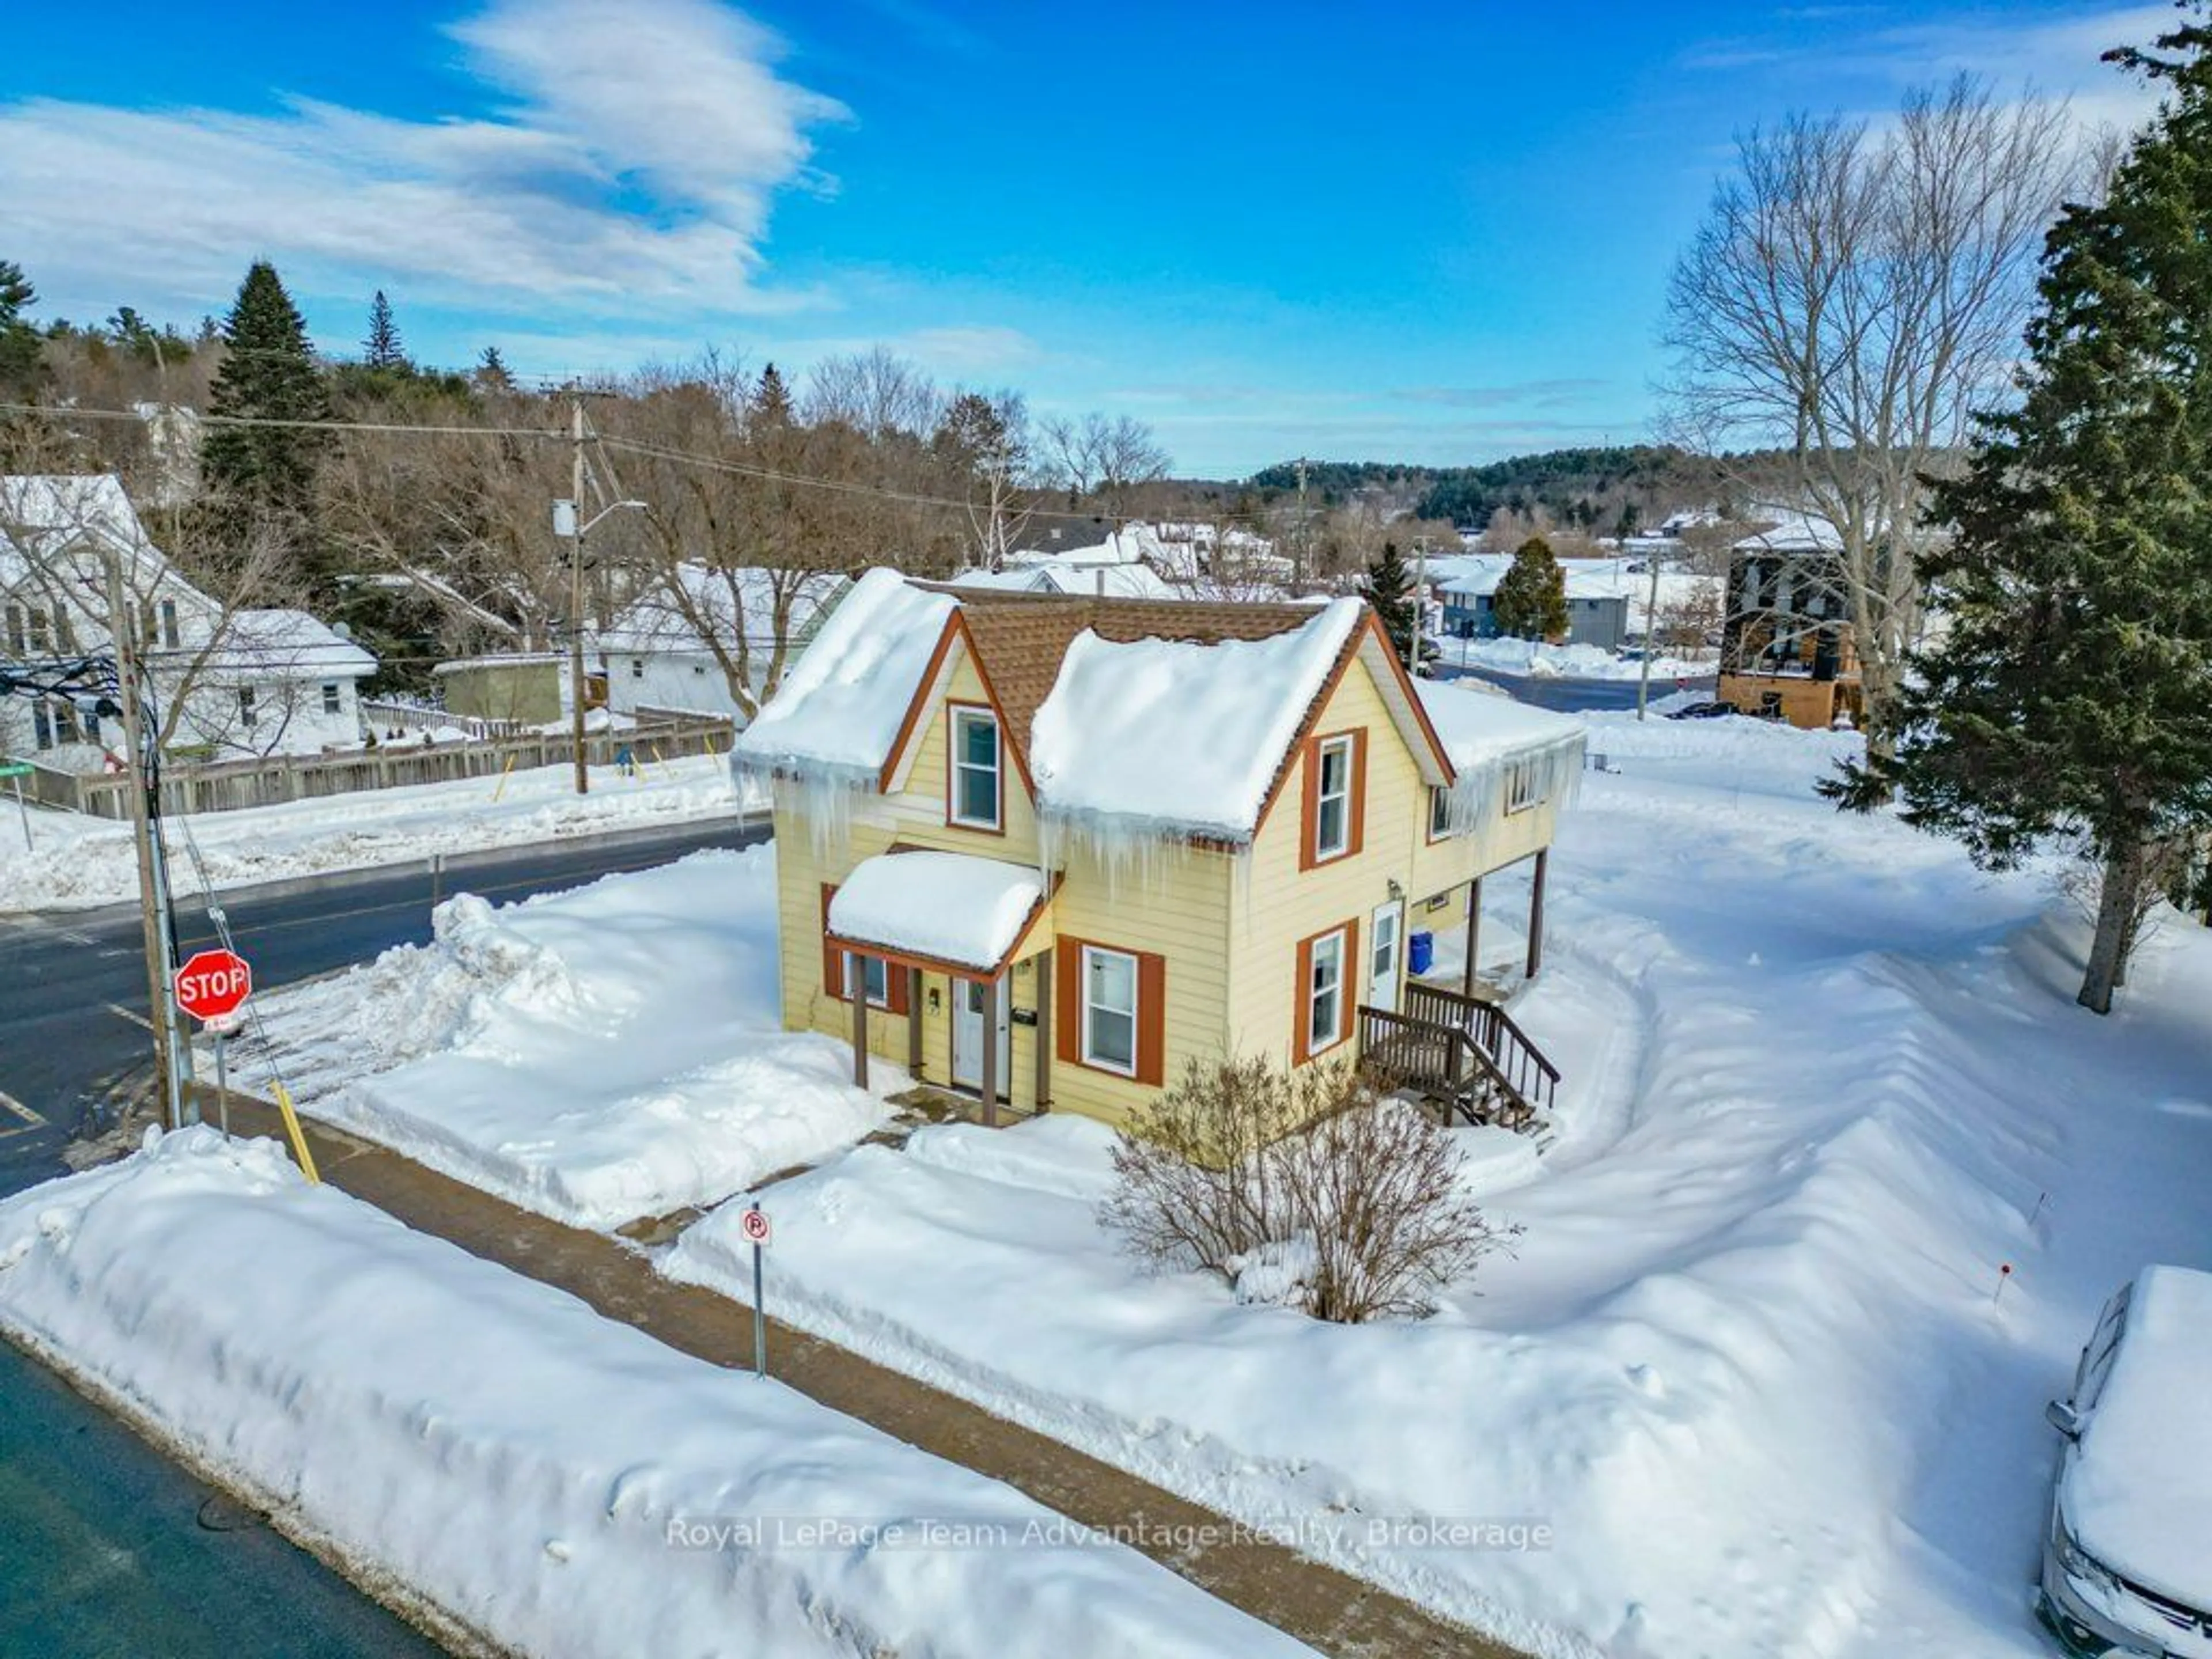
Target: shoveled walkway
<point x="1328" y="1609"/>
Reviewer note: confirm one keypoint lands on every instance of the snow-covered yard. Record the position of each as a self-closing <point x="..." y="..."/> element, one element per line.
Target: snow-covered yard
<point x="527" y="1473"/>
<point x="76" y="862"/>
<point x="597" y="1055"/>
<point x="1748" y="1368"/>
<point x="1582" y="662"/>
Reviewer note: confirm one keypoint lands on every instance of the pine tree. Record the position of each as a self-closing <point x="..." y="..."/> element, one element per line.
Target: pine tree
<point x="21" y="349"/>
<point x="2068" y="697"/>
<point x="1389" y="588"/>
<point x="268" y="374"/>
<point x="1531" y="600"/>
<point x="382" y="350"/>
<point x="491" y="371"/>
<point x="771" y="401"/>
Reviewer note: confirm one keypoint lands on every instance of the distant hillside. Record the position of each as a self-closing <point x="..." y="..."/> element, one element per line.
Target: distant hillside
<point x="1588" y="487"/>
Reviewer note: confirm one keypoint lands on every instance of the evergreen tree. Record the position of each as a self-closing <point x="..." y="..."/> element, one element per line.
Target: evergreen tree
<point x="1389" y="586"/>
<point x="1531" y="601"/>
<point x="382" y="350"/>
<point x="268" y="374"/>
<point x="491" y="371"/>
<point x="20" y="346"/>
<point x="2068" y="697"/>
<point x="771" y="401"/>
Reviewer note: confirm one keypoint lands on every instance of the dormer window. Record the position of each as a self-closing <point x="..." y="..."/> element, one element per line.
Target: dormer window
<point x="977" y="769"/>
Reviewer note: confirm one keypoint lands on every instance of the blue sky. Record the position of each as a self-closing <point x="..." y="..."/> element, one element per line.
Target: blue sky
<point x="1433" y="232"/>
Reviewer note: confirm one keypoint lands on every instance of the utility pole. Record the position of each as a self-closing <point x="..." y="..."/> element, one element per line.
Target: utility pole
<point x="1299" y="563"/>
<point x="1420" y="600"/>
<point x="145" y="837"/>
<point x="576" y="598"/>
<point x="1651" y="631"/>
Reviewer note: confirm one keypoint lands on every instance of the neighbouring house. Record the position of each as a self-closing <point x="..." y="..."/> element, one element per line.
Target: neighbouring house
<point x="1597" y="599"/>
<point x="1787" y="649"/>
<point x="241" y="682"/>
<point x="529" y="688"/>
<point x="1045" y="851"/>
<point x="658" y="659"/>
<point x="1115" y="581"/>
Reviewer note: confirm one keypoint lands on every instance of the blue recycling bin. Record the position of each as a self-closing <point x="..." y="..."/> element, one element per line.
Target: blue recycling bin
<point x="1420" y="952"/>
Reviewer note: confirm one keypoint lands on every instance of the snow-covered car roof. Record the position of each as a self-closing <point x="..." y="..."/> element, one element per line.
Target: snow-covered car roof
<point x="2138" y="1493"/>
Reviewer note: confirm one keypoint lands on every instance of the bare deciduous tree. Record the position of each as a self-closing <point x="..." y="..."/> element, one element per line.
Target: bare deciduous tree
<point x="1109" y="456"/>
<point x="1313" y="1187"/>
<point x="1851" y="296"/>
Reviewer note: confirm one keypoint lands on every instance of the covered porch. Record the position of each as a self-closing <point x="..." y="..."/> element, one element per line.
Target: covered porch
<point x="958" y="949"/>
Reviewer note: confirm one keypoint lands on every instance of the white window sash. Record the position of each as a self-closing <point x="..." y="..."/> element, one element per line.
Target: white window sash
<point x="962" y="769"/>
<point x="1340" y="798"/>
<point x="1091" y="1055"/>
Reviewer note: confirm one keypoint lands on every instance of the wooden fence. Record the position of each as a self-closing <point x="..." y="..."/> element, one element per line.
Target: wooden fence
<point x="228" y="786"/>
<point x="410" y="717"/>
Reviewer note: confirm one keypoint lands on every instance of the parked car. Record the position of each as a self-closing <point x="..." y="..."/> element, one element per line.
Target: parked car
<point x="1702" y="711"/>
<point x="2126" y="1560"/>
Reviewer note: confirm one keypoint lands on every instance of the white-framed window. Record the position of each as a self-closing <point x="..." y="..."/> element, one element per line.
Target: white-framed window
<point x="1524" y="786"/>
<point x="1109" y="1010"/>
<point x="170" y="636"/>
<point x="332" y="701"/>
<point x="975" y="768"/>
<point x="19" y="637"/>
<point x="246" y="707"/>
<point x="1439" y="813"/>
<point x="1332" y="798"/>
<point x="637" y="668"/>
<point x="873" y="974"/>
<point x="1327" y="1005"/>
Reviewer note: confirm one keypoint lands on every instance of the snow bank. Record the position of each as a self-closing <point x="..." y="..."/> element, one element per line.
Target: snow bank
<point x="839" y="709"/>
<point x="78" y="862"/>
<point x="1095" y="743"/>
<point x="541" y="1477"/>
<point x="597" y="1055"/>
<point x="1579" y="662"/>
<point x="1821" y="1078"/>
<point x="951" y="906"/>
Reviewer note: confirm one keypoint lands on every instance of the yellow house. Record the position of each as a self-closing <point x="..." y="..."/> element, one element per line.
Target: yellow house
<point x="1047" y="850"/>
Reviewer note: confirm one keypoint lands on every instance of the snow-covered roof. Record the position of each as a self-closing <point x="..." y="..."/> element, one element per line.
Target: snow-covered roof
<point x="41" y="513"/>
<point x="1484" y="732"/>
<point x="1791" y="532"/>
<point x="949" y="907"/>
<point x="735" y="601"/>
<point x="1128" y="546"/>
<point x="502" y="660"/>
<point x="288" y="645"/>
<point x="1119" y="581"/>
<point x="840" y="707"/>
<point x="1095" y="750"/>
<point x="2136" y="1496"/>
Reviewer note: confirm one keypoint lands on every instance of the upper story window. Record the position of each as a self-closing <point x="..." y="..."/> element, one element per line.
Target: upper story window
<point x="977" y="771"/>
<point x="1439" y="813"/>
<point x="1332" y="790"/>
<point x="332" y="702"/>
<point x="1524" y="786"/>
<point x="170" y="636"/>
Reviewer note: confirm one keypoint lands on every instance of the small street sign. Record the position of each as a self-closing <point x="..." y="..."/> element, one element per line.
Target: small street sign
<point x="756" y="1225"/>
<point x="213" y="983"/>
<point x="13" y="770"/>
<point x="223" y="1026"/>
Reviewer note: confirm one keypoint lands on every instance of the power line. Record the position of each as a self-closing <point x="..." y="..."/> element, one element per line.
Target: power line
<point x="656" y="451"/>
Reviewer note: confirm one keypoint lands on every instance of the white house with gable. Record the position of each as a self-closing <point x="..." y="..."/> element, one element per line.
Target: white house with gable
<point x="243" y="681"/>
<point x="658" y="658"/>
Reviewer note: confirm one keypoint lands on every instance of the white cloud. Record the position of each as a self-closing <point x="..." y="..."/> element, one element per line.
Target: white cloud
<point x="634" y="160"/>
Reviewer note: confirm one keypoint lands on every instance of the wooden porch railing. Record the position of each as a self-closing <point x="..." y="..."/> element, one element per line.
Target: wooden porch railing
<point x="1518" y="1062"/>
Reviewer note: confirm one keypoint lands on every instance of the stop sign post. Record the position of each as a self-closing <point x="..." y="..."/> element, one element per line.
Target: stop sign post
<point x="212" y="987"/>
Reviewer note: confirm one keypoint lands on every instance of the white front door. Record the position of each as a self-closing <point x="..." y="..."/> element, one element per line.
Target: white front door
<point x="1385" y="934"/>
<point x="968" y="1037"/>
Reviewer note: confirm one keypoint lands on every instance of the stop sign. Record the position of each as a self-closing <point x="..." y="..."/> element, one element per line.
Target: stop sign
<point x="213" y="983"/>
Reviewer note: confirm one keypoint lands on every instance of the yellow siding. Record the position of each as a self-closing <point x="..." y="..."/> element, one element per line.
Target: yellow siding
<point x="1227" y="925"/>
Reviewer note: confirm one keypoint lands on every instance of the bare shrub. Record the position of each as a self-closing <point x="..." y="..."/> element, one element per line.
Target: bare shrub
<point x="1314" y="1188"/>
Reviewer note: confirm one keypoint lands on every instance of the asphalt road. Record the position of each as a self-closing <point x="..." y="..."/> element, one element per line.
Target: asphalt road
<point x="107" y="1549"/>
<point x="1571" y="696"/>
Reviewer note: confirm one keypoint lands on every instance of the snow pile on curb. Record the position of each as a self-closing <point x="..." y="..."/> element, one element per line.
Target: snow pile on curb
<point x="512" y="1464"/>
<point x="597" y="1055"/>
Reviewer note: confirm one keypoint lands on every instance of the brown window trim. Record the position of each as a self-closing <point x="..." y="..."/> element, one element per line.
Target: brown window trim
<point x="953" y="707"/>
<point x="1301" y="994"/>
<point x="1151" y="1010"/>
<point x="1310" y="854"/>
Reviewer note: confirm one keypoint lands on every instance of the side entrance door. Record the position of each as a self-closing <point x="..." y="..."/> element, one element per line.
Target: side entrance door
<point x="1386" y="935"/>
<point x="968" y="1037"/>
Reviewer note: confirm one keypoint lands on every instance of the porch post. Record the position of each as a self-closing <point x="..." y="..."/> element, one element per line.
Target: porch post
<point x="1474" y="935"/>
<point x="1044" y="1031"/>
<point x="990" y="1054"/>
<point x="914" y="1022"/>
<point x="856" y="987"/>
<point x="1536" y="914"/>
